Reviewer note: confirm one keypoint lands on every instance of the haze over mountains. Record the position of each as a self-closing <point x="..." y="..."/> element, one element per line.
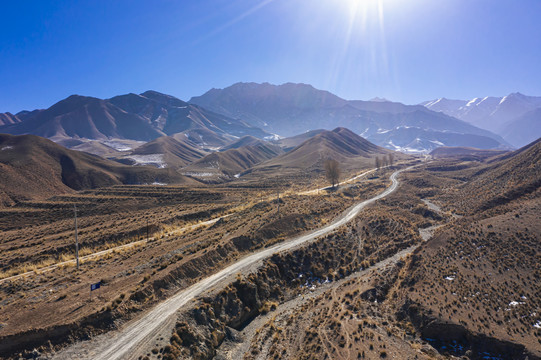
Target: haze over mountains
<point x="220" y="116"/>
<point x="291" y="109"/>
<point x="516" y="117"/>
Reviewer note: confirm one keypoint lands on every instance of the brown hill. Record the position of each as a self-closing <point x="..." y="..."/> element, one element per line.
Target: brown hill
<point x="227" y="165"/>
<point x="175" y="153"/>
<point x="205" y="138"/>
<point x="34" y="168"/>
<point x="513" y="176"/>
<point x="340" y="144"/>
<point x="243" y="141"/>
<point x="474" y="287"/>
<point x="292" y="142"/>
<point x="96" y="148"/>
<point x="465" y="153"/>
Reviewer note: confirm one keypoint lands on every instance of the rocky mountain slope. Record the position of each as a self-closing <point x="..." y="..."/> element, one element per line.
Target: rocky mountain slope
<point x="172" y="153"/>
<point x="230" y="163"/>
<point x="136" y="117"/>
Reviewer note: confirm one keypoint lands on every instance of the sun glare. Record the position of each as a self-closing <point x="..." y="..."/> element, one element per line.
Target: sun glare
<point x="362" y="38"/>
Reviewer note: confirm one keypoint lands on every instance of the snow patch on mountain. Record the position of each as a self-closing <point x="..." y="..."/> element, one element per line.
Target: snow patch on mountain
<point x="149" y="159"/>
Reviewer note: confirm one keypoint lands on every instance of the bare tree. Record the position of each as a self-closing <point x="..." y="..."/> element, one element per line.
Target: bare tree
<point x="332" y="171"/>
<point x="391" y="159"/>
<point x="378" y="162"/>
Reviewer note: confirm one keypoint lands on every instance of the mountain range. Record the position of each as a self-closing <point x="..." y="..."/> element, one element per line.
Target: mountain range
<point x="516" y="117"/>
<point x="291" y="109"/>
<point x="138" y="117"/>
<point x="220" y="116"/>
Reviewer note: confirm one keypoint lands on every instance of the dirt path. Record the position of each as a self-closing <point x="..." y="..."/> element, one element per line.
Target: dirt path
<point x="142" y="242"/>
<point x="315" y="191"/>
<point x="136" y="337"/>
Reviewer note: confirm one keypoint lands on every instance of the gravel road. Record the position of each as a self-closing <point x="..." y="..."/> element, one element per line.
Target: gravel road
<point x="137" y="337"/>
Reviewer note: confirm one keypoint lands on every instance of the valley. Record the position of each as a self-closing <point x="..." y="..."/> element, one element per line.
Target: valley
<point x="207" y="244"/>
<point x="270" y="180"/>
<point x="39" y="234"/>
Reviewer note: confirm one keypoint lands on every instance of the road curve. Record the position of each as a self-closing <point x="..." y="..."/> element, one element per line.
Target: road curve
<point x="138" y="335"/>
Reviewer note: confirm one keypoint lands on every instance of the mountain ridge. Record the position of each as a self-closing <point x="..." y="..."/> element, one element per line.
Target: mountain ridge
<point x="138" y="117"/>
<point x="291" y="109"/>
<point x="494" y="113"/>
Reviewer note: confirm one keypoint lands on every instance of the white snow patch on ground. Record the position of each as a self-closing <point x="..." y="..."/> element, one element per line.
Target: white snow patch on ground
<point x="450" y="278"/>
<point x="7" y="147"/>
<point x="406" y="149"/>
<point x="199" y="174"/>
<point x="472" y="102"/>
<point x="515" y="303"/>
<point x="212" y="148"/>
<point x="537" y="324"/>
<point x="150" y="159"/>
<point x="273" y="137"/>
<point x="237" y="175"/>
<point x="118" y="146"/>
<point x="158" y="183"/>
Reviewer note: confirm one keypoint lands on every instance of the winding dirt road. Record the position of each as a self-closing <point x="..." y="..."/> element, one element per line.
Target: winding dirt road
<point x="137" y="337"/>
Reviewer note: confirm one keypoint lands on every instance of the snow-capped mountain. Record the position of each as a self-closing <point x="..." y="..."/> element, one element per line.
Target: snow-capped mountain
<point x="292" y="109"/>
<point x="491" y="113"/>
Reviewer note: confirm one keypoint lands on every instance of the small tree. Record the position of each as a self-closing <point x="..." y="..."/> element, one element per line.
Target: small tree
<point x="378" y="162"/>
<point x="391" y="159"/>
<point x="332" y="171"/>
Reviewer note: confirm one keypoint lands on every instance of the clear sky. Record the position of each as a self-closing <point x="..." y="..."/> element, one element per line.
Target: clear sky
<point x="403" y="50"/>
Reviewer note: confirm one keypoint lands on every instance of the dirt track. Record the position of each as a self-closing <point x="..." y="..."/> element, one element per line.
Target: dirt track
<point x="136" y="337"/>
<point x="142" y="242"/>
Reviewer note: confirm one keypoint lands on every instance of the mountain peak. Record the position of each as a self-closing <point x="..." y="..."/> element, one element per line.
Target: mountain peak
<point x="163" y="98"/>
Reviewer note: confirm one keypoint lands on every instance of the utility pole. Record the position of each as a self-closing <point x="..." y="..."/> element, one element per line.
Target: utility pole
<point x="278" y="200"/>
<point x="76" y="239"/>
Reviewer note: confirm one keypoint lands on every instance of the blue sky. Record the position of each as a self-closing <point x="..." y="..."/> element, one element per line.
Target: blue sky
<point x="403" y="50"/>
